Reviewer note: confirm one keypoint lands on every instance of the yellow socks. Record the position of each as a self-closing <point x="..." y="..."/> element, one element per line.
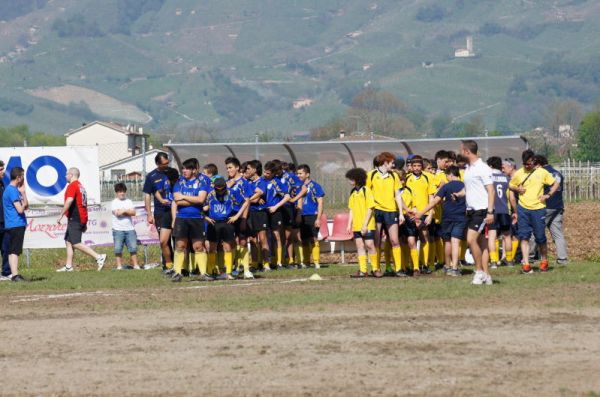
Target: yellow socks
<point x="374" y="262"/>
<point x="513" y="251"/>
<point x="228" y="259"/>
<point x="439" y="249"/>
<point x="405" y="251"/>
<point x="179" y="258"/>
<point x="414" y="255"/>
<point x="362" y="263"/>
<point x="169" y="265"/>
<point x="244" y="256"/>
<point x="201" y="259"/>
<point x="397" y="254"/>
<point x="494" y="256"/>
<point x="279" y="251"/>
<point x="212" y="262"/>
<point x="425" y="248"/>
<point x="316" y="252"/>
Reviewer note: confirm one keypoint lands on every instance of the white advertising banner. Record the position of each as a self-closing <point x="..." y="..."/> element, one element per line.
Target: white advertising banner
<point x="43" y="231"/>
<point x="46" y="170"/>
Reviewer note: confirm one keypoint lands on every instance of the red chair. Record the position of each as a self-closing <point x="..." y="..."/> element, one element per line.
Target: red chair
<point x="339" y="233"/>
<point x="323" y="228"/>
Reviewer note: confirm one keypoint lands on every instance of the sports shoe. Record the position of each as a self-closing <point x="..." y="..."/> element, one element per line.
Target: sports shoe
<point x="562" y="262"/>
<point x="453" y="273"/>
<point x="416" y="273"/>
<point x="248" y="276"/>
<point x="358" y="274"/>
<point x="494" y="265"/>
<point x="544" y="265"/>
<point x="100" y="261"/>
<point x="225" y="276"/>
<point x="487" y="279"/>
<point x="177" y="278"/>
<point x="425" y="270"/>
<point x="303" y="266"/>
<point x="317" y="266"/>
<point x="479" y="278"/>
<point x="206" y="277"/>
<point x="17" y="278"/>
<point x="5" y="278"/>
<point x="401" y="273"/>
<point x="377" y="274"/>
<point x="235" y="273"/>
<point x="65" y="268"/>
<point x="526" y="269"/>
<point x="120" y="268"/>
<point x="279" y="266"/>
<point x="509" y="263"/>
<point x="292" y="267"/>
<point x="168" y="272"/>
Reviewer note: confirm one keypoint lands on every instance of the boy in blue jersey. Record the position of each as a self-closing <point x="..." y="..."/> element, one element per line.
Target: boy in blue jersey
<point x="258" y="219"/>
<point x="502" y="219"/>
<point x="14" y="201"/>
<point x="290" y="214"/>
<point x="189" y="193"/>
<point x="165" y="196"/>
<point x="454" y="223"/>
<point x="312" y="210"/>
<point x="222" y="216"/>
<point x="238" y="183"/>
<point x="275" y="194"/>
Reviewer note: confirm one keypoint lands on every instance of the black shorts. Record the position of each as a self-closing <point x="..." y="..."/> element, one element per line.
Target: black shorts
<point x="308" y="231"/>
<point x="241" y="228"/>
<point x="435" y="230"/>
<point x="408" y="228"/>
<point x="17" y="235"/>
<point x="259" y="221"/>
<point x="74" y="232"/>
<point x="502" y="223"/>
<point x="385" y="217"/>
<point x="276" y="219"/>
<point x="221" y="231"/>
<point x="289" y="216"/>
<point x="163" y="220"/>
<point x="189" y="228"/>
<point x="476" y="220"/>
<point x="370" y="235"/>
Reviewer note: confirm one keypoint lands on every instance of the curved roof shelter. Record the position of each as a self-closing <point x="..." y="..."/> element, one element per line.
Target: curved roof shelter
<point x="329" y="160"/>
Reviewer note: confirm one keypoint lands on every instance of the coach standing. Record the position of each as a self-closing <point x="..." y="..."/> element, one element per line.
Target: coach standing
<point x="77" y="215"/>
<point x="155" y="182"/>
<point x="479" y="190"/>
<point x="14" y="203"/>
<point x="555" y="208"/>
<point x="4" y="236"/>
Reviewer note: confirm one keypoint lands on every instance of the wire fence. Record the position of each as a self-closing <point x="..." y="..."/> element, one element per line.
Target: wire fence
<point x="582" y="180"/>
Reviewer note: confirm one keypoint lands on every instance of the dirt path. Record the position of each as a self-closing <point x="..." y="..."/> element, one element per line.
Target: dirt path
<point x="342" y="351"/>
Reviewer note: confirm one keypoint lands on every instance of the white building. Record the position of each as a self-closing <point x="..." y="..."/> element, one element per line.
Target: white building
<point x="129" y="168"/>
<point x="466" y="52"/>
<point x="115" y="141"/>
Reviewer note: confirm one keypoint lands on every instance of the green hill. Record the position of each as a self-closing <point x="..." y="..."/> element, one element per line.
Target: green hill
<point x="237" y="66"/>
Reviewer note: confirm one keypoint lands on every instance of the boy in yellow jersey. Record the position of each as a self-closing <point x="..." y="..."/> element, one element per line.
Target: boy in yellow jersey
<point x="439" y="179"/>
<point x="361" y="222"/>
<point x="421" y="185"/>
<point x="408" y="230"/>
<point x="529" y="182"/>
<point x="385" y="185"/>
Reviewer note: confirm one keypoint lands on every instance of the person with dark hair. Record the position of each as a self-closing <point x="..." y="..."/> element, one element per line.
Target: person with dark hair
<point x="4" y="236"/>
<point x="529" y="182"/>
<point x="502" y="219"/>
<point x="211" y="171"/>
<point x="222" y="216"/>
<point x="555" y="209"/>
<point x="15" y="203"/>
<point x="189" y="194"/>
<point x="165" y="197"/>
<point x="439" y="179"/>
<point x="160" y="216"/>
<point x="361" y="222"/>
<point x="290" y="214"/>
<point x="237" y="184"/>
<point x="277" y="195"/>
<point x="257" y="218"/>
<point x="312" y="210"/>
<point x="123" y="231"/>
<point x="385" y="185"/>
<point x="479" y="190"/>
<point x="452" y="195"/>
<point x="75" y="208"/>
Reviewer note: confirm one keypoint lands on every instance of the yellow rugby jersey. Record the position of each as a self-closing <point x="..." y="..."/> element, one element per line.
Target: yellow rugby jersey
<point x="360" y="201"/>
<point x="534" y="183"/>
<point x="462" y="175"/>
<point x="421" y="188"/>
<point x="407" y="198"/>
<point x="439" y="180"/>
<point x="384" y="188"/>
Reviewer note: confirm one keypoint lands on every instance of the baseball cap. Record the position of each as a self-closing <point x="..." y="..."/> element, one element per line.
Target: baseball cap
<point x="219" y="184"/>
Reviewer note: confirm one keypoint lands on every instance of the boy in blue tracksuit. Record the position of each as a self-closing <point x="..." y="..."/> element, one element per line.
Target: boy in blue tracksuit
<point x="312" y="209"/>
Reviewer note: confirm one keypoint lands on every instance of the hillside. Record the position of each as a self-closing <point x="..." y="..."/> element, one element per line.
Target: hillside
<point x="237" y="66"/>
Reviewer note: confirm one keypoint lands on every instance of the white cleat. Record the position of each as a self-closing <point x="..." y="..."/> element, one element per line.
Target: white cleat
<point x="65" y="269"/>
<point x="100" y="261"/>
<point x="248" y="276"/>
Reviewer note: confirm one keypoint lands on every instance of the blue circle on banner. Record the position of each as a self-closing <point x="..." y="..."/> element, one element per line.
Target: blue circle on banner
<point x="53" y="162"/>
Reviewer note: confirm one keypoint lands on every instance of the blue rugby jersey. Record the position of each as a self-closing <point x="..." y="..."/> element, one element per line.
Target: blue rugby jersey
<point x="245" y="188"/>
<point x="155" y="181"/>
<point x="220" y="208"/>
<point x="309" y="201"/>
<point x="190" y="187"/>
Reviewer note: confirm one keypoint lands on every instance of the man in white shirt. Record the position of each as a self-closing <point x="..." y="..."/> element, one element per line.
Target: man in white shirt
<point x="122" y="226"/>
<point x="479" y="190"/>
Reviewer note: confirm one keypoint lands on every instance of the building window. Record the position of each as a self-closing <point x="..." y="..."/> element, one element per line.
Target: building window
<point x="116" y="175"/>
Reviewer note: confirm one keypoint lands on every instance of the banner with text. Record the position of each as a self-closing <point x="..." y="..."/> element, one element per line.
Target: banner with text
<point x="44" y="232"/>
<point x="46" y="171"/>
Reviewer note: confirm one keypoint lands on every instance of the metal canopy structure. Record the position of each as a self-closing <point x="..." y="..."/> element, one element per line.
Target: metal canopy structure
<point x="329" y="160"/>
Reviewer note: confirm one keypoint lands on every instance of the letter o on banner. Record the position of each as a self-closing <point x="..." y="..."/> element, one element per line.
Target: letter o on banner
<point x="53" y="162"/>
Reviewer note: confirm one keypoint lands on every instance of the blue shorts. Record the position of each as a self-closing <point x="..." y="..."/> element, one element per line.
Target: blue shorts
<point x="532" y="222"/>
<point x="454" y="229"/>
<point x="125" y="237"/>
<point x="408" y="228"/>
<point x="385" y="217"/>
<point x="370" y="235"/>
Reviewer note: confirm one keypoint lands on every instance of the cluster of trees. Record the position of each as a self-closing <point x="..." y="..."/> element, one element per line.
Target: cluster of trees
<point x="20" y="135"/>
<point x="77" y="26"/>
<point x="129" y="11"/>
<point x="16" y="107"/>
<point x="10" y="10"/>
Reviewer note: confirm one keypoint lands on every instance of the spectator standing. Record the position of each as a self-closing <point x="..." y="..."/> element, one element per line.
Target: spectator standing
<point x="4" y="237"/>
<point x="14" y="202"/>
<point x="123" y="231"/>
<point x="75" y="208"/>
<point x="555" y="208"/>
